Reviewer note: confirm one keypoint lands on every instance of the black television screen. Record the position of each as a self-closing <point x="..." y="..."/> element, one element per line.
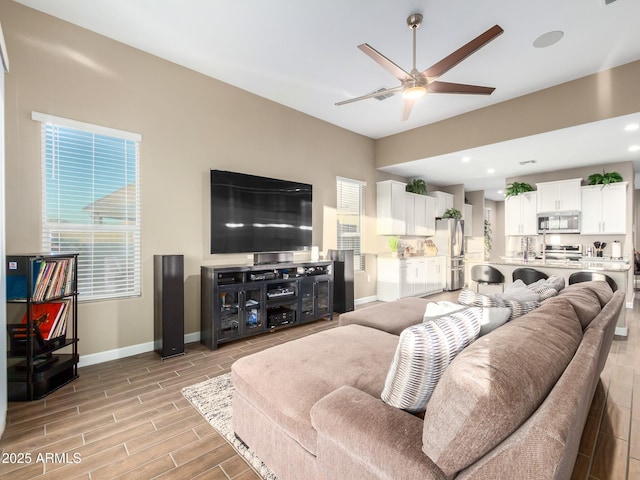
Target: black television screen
<point x="259" y="214"/>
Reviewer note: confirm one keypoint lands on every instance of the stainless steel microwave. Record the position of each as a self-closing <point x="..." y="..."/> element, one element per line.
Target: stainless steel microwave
<point x="559" y="222"/>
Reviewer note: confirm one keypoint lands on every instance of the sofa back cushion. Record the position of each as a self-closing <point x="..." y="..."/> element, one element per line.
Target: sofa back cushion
<point x="496" y="383"/>
<point x="423" y="353"/>
<point x="587" y="299"/>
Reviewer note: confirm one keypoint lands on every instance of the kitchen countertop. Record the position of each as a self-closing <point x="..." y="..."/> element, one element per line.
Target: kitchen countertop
<point x="591" y="263"/>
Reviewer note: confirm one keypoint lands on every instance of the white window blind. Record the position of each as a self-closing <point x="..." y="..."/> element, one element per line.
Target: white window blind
<point x="91" y="204"/>
<point x="350" y="213"/>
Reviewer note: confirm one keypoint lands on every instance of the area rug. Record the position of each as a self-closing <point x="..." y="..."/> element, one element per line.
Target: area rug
<point x="212" y="398"/>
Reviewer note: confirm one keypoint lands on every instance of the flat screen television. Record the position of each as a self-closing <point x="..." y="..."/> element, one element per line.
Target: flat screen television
<point x="259" y="214"/>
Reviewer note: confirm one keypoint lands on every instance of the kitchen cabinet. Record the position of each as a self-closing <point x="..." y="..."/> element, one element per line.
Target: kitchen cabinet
<point x="604" y="209"/>
<point x="520" y="214"/>
<point x="416" y="215"/>
<point x="467" y="216"/>
<point x="562" y="195"/>
<point x="436" y="274"/>
<point x="444" y="201"/>
<point x="407" y="277"/>
<point x="390" y="206"/>
<point x="430" y="222"/>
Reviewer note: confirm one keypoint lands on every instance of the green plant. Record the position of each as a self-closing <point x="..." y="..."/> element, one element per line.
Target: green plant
<point x="393" y="243"/>
<point x="417" y="185"/>
<point x="487" y="239"/>
<point x="452" y="213"/>
<point x="516" y="188"/>
<point x="604" y="178"/>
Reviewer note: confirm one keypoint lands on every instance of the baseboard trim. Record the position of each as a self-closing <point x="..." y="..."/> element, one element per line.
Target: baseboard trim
<point x="363" y="300"/>
<point x="116" y="354"/>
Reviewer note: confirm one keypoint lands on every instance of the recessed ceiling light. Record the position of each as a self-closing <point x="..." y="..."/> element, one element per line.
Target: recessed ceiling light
<point x="631" y="127"/>
<point x="491" y="170"/>
<point x="634" y="148"/>
<point x="548" y="39"/>
<point x="500" y="192"/>
<point x="466" y="159"/>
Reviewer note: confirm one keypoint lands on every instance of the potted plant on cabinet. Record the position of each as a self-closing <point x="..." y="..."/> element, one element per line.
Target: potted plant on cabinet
<point x="452" y="213"/>
<point x="417" y="185"/>
<point x="604" y="178"/>
<point x="516" y="188"/>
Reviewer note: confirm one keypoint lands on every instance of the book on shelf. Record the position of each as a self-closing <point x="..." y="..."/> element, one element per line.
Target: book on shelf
<point x="54" y="279"/>
<point x="50" y="318"/>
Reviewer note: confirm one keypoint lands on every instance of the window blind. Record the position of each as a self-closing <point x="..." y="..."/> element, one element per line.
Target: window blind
<point x="350" y="214"/>
<point x="91" y="204"/>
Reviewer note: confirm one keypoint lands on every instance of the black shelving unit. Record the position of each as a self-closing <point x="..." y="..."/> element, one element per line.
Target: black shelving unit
<point x="242" y="301"/>
<point x="42" y="353"/>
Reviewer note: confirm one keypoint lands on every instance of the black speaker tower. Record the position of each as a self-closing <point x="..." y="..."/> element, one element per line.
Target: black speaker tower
<point x="168" y="311"/>
<point x="343" y="294"/>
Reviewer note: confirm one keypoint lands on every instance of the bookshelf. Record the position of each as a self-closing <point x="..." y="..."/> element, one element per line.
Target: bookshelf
<point x="42" y="323"/>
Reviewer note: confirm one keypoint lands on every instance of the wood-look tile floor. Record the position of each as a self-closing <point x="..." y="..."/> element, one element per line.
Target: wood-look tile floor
<point x="127" y="418"/>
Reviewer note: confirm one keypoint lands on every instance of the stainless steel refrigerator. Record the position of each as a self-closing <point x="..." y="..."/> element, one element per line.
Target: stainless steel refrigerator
<point x="450" y="242"/>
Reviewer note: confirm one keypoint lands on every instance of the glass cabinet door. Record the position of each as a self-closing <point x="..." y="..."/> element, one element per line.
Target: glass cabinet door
<point x="229" y="313"/>
<point x="323" y="290"/>
<point x="253" y="309"/>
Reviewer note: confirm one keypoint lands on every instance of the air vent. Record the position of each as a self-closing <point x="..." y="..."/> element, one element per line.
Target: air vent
<point x="525" y="162"/>
<point x="382" y="96"/>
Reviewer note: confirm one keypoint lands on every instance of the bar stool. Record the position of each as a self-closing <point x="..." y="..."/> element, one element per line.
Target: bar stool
<point x="528" y="275"/>
<point x="578" y="277"/>
<point x="487" y="275"/>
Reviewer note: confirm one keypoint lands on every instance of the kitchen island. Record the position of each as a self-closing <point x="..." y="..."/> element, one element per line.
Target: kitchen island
<point x="618" y="270"/>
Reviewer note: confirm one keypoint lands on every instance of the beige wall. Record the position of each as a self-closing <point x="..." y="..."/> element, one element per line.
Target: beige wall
<point x="189" y="124"/>
<point x="596" y="97"/>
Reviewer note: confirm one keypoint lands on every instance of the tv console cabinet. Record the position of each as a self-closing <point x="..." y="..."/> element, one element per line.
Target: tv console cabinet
<point x="242" y="301"/>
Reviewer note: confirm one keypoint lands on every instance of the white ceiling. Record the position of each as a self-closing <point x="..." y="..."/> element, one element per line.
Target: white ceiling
<point x="303" y="54"/>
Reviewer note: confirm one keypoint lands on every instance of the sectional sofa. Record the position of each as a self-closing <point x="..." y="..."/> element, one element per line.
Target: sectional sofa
<point x="509" y="404"/>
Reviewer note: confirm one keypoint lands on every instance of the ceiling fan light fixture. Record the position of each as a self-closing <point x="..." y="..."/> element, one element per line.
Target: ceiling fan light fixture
<point x="415" y="92"/>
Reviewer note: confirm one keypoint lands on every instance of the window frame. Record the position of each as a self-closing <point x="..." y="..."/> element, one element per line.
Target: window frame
<point x="127" y="231"/>
<point x="358" y="256"/>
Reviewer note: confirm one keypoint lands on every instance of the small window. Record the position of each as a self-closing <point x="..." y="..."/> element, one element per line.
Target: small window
<point x="350" y="213"/>
<point x="91" y="204"/>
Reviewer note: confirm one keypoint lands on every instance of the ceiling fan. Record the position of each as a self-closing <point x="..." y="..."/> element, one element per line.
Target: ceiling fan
<point x="415" y="84"/>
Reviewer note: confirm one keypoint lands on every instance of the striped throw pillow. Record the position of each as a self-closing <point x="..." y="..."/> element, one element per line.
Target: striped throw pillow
<point x="472" y="299"/>
<point x="424" y="352"/>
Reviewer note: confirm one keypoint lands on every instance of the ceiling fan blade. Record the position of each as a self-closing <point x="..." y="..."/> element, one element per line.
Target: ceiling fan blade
<point x="448" y="87"/>
<point x="377" y="93"/>
<point x="406" y="109"/>
<point x="463" y="52"/>
<point x="384" y="62"/>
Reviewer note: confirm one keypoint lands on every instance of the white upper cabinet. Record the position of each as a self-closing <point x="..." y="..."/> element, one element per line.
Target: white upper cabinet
<point x="390" y="206"/>
<point x="444" y="201"/>
<point x="430" y="213"/>
<point x="562" y="195"/>
<point x="416" y="214"/>
<point x="520" y="214"/>
<point x="604" y="209"/>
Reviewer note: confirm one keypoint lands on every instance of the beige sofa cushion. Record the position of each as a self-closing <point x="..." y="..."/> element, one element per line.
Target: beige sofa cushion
<point x="285" y="381"/>
<point x="391" y="317"/>
<point x="587" y="299"/>
<point x="496" y="383"/>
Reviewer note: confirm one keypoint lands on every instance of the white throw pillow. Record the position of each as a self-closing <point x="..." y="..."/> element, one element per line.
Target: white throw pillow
<point x="424" y="352"/>
<point x="438" y="309"/>
<point x="492" y="318"/>
<point x="518" y="291"/>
